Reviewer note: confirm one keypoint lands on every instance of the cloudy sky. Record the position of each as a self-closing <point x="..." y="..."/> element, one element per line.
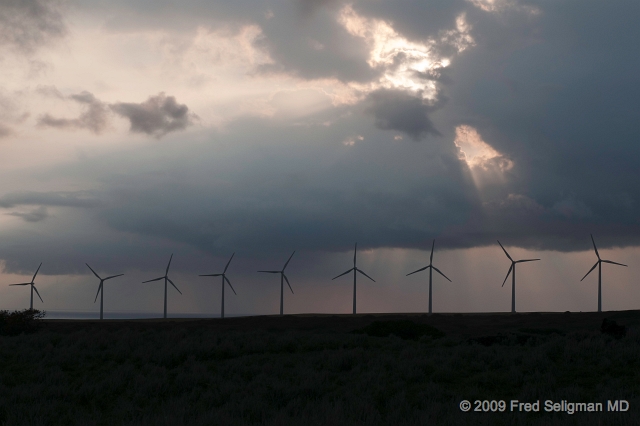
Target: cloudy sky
<point x="130" y="130"/>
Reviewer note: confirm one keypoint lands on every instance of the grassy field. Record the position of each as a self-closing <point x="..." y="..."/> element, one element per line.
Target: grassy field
<point x="315" y="370"/>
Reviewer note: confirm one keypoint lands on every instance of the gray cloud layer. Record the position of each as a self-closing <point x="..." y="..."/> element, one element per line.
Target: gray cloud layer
<point x="60" y="198"/>
<point x="35" y="215"/>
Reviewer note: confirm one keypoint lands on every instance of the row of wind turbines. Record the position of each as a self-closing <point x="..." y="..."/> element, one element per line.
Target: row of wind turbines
<point x="355" y="270"/>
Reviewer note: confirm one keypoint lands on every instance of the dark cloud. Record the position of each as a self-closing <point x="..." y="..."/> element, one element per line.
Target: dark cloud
<point x="403" y="111"/>
<point x="35" y="215"/>
<point x="439" y="74"/>
<point x="26" y="25"/>
<point x="156" y="116"/>
<point x="308" y="7"/>
<point x="417" y="20"/>
<point x="321" y="48"/>
<point x="95" y="116"/>
<point x="559" y="98"/>
<point x="60" y="198"/>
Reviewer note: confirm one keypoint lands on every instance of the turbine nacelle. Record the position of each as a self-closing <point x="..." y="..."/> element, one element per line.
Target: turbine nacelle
<point x="33" y="286"/>
<point x="224" y="277"/>
<point x="282" y="271"/>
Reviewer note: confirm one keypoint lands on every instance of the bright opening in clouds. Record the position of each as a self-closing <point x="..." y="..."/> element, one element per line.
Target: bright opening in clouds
<point x="130" y="131"/>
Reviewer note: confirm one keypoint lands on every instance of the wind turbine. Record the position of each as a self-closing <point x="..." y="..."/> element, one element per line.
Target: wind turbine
<point x="599" y="265"/>
<point x="224" y="278"/>
<point x="282" y="275"/>
<point x="166" y="278"/>
<point x="354" y="269"/>
<point x="33" y="287"/>
<point x="431" y="269"/>
<point x="100" y="288"/>
<point x="513" y="277"/>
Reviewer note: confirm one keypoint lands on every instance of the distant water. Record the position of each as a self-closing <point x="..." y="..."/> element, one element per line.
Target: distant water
<point x="79" y="315"/>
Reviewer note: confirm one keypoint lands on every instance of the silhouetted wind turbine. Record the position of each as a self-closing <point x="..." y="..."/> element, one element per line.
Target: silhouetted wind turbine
<point x="431" y="269"/>
<point x="33" y="287"/>
<point x="354" y="269"/>
<point x="100" y="288"/>
<point x="282" y="275"/>
<point x="166" y="278"/>
<point x="513" y="277"/>
<point x="599" y="265"/>
<point x="224" y="278"/>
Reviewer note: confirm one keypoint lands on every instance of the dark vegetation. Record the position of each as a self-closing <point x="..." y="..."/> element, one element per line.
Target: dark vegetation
<point x="404" y="329"/>
<point x="18" y="322"/>
<point x="314" y="370"/>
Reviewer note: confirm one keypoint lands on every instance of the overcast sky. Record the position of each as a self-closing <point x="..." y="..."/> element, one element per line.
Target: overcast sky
<point x="131" y="130"/>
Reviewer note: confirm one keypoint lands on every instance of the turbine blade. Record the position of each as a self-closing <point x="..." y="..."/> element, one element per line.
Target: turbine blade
<point x="614" y="263"/>
<point x="355" y="250"/>
<point x="594" y="246"/>
<point x="438" y="271"/>
<point x="174" y="286"/>
<point x="526" y="260"/>
<point x="592" y="268"/>
<point x="225" y="268"/>
<point x="155" y="279"/>
<point x="505" y="278"/>
<point x="229" y="282"/>
<point x="169" y="264"/>
<point x="37" y="292"/>
<point x="432" y="247"/>
<point x="271" y="272"/>
<point x="210" y="275"/>
<point x="113" y="276"/>
<point x="34" y="275"/>
<point x="421" y="269"/>
<point x="505" y="251"/>
<point x="285" y="278"/>
<point x="285" y="265"/>
<point x="344" y="273"/>
<point x="94" y="272"/>
<point x="365" y="275"/>
<point x="20" y="284"/>
<point x="99" y="288"/>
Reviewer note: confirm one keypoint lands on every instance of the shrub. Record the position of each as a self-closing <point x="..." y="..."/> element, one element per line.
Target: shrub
<point x="18" y="322"/>
<point x="612" y="328"/>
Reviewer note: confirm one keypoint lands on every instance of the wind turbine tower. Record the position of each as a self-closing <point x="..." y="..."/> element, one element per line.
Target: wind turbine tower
<point x="33" y="287"/>
<point x="165" y="278"/>
<point x="100" y="288"/>
<point x="224" y="278"/>
<point x="599" y="265"/>
<point x="282" y="276"/>
<point x="431" y="269"/>
<point x="512" y="271"/>
<point x="354" y="269"/>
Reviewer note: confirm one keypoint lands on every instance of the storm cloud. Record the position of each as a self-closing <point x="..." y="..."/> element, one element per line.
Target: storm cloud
<point x="402" y="111"/>
<point x="156" y="116"/>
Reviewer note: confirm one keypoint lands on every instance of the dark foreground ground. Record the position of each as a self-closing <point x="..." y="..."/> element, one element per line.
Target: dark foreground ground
<point x="314" y="370"/>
